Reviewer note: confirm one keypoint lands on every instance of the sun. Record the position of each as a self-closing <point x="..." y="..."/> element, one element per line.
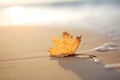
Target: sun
<point x="16" y="14"/>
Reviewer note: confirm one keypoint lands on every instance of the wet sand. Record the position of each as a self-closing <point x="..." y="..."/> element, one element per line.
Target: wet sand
<point x="24" y="55"/>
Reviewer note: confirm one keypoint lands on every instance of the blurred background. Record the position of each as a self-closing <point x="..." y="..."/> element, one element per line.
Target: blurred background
<point x="101" y="16"/>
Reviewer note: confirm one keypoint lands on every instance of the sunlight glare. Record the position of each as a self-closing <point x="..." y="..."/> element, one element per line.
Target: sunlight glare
<point x="16" y="14"/>
<point x="22" y="16"/>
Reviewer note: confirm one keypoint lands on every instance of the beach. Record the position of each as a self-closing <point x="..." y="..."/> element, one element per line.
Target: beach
<point x="27" y="29"/>
<point x="24" y="55"/>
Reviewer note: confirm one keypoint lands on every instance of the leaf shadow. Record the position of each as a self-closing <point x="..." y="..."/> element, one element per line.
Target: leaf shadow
<point x="86" y="69"/>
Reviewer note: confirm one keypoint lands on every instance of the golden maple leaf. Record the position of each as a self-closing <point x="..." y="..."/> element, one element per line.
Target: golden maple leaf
<point x="65" y="47"/>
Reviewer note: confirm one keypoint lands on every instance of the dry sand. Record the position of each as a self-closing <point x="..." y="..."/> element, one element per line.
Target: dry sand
<point x="24" y="56"/>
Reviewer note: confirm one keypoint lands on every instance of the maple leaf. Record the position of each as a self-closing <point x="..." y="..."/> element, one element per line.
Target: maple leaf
<point x="65" y="47"/>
